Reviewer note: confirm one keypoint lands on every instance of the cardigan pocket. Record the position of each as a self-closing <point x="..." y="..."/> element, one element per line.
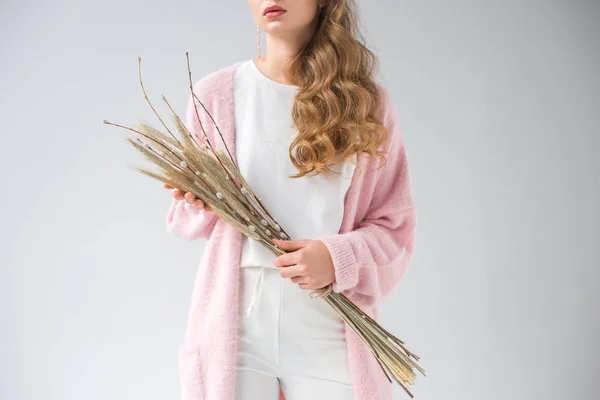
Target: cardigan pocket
<point x="190" y="376"/>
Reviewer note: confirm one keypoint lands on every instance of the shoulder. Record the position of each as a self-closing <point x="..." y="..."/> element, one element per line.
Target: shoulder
<point x="217" y="81"/>
<point x="389" y="119"/>
<point x="214" y="90"/>
<point x="387" y="113"/>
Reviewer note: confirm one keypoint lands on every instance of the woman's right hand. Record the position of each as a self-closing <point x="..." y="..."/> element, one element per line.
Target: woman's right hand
<point x="189" y="197"/>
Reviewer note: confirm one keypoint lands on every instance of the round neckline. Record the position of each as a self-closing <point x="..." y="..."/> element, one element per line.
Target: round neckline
<point x="263" y="76"/>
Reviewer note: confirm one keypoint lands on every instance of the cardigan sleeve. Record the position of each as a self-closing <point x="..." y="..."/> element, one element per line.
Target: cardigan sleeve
<point x="183" y="219"/>
<point x="371" y="259"/>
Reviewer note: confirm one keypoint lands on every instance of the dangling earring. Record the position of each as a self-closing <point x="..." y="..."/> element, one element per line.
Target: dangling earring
<point x="258" y="41"/>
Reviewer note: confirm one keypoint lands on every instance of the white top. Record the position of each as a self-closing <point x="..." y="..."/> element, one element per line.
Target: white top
<point x="305" y="207"/>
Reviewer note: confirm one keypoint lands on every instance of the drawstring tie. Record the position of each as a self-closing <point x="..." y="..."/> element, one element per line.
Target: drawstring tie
<point x="256" y="292"/>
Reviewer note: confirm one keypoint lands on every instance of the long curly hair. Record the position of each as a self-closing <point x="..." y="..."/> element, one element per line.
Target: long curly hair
<point x="336" y="107"/>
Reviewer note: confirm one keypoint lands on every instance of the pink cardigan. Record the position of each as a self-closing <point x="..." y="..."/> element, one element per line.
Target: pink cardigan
<point x="371" y="253"/>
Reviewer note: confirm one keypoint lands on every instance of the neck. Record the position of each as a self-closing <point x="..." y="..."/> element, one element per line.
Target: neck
<point x="281" y="49"/>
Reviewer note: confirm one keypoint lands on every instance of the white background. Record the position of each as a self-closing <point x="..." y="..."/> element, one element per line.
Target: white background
<point x="498" y="103"/>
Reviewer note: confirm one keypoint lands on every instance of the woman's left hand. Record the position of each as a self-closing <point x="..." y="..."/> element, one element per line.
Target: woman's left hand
<point x="307" y="262"/>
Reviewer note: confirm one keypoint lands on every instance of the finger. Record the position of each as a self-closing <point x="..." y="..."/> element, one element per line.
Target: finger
<point x="286" y="260"/>
<point x="299" y="279"/>
<point x="207" y="208"/>
<point x="199" y="203"/>
<point x="189" y="197"/>
<point x="168" y="186"/>
<point x="177" y="194"/>
<point x="291" y="245"/>
<point x="290" y="272"/>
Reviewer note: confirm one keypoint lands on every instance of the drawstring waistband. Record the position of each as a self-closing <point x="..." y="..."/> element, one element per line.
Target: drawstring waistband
<point x="256" y="292"/>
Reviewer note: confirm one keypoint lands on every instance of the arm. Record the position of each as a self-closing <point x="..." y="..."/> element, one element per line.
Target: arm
<point x="183" y="219"/>
<point x="188" y="221"/>
<point x="372" y="259"/>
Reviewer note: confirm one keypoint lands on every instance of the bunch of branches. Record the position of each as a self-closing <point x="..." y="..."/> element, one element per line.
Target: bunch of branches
<point x="191" y="163"/>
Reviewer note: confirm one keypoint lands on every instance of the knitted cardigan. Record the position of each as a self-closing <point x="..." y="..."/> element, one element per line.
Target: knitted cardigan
<point x="371" y="253"/>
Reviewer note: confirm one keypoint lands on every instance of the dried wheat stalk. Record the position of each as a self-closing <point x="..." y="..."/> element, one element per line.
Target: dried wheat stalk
<point x="191" y="164"/>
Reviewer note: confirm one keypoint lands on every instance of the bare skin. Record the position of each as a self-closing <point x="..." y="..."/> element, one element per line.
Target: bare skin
<point x="189" y="197"/>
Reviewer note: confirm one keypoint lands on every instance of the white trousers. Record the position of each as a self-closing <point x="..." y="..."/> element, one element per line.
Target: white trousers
<point x="289" y="340"/>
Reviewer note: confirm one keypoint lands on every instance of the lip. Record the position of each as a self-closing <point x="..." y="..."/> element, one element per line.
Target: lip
<point x="272" y="8"/>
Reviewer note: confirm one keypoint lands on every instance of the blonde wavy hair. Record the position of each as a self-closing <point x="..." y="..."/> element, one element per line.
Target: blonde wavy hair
<point x="336" y="107"/>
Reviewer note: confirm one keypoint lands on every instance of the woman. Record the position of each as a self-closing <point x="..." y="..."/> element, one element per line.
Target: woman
<point x="316" y="138"/>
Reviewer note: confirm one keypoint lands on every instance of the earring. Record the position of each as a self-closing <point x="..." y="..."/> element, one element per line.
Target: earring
<point x="258" y="41"/>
